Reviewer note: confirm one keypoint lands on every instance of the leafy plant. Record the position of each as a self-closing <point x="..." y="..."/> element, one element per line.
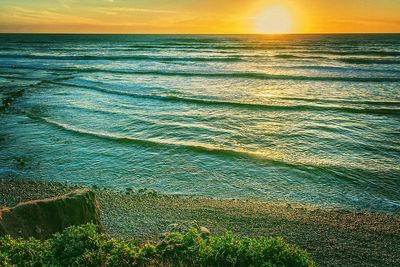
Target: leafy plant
<point x="84" y="246"/>
<point x="20" y="252"/>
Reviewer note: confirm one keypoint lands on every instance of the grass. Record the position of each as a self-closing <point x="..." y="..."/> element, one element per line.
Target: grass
<point x="85" y="246"/>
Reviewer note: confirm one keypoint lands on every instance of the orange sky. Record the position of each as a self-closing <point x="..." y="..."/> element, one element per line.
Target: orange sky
<point x="206" y="16"/>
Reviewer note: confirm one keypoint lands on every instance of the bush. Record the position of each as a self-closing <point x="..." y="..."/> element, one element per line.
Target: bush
<point x="4" y="260"/>
<point x="79" y="246"/>
<point x="20" y="252"/>
<point x="84" y="246"/>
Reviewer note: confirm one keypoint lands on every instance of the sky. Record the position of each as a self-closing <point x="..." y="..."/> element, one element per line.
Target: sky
<point x="203" y="16"/>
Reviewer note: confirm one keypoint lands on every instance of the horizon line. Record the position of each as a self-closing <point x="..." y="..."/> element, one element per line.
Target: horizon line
<point x="128" y="33"/>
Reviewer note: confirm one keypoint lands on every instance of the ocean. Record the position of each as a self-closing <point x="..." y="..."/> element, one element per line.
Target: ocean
<point x="311" y="119"/>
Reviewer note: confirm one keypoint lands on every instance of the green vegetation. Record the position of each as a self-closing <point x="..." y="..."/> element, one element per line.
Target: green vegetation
<point x="84" y="246"/>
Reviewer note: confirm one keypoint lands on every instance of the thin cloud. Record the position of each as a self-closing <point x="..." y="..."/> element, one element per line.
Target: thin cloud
<point x="36" y="16"/>
<point x="64" y="4"/>
<point x="139" y="10"/>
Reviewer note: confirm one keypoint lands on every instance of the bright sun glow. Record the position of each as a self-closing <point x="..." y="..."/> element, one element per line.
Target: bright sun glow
<point x="274" y="19"/>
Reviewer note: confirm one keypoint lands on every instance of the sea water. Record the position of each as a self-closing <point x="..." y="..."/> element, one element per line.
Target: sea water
<point x="305" y="118"/>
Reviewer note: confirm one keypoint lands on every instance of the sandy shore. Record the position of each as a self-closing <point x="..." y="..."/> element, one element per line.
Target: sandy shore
<point x="333" y="237"/>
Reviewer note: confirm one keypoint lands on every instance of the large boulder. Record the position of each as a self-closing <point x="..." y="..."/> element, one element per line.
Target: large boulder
<point x="43" y="218"/>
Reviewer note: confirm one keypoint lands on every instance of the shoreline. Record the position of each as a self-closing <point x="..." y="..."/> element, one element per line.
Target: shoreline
<point x="332" y="237"/>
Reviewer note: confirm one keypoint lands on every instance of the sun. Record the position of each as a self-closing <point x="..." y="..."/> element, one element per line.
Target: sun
<point x="274" y="20"/>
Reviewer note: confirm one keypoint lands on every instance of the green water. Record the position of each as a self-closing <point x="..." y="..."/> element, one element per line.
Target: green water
<point x="306" y="118"/>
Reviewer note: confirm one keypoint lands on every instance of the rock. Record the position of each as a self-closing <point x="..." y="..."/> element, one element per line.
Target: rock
<point x="204" y="230"/>
<point x="42" y="218"/>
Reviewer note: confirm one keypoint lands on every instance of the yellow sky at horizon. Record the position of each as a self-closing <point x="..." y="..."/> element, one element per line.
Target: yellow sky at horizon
<point x="207" y="16"/>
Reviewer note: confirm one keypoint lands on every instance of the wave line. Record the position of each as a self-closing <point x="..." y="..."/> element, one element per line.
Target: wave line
<point x="254" y="106"/>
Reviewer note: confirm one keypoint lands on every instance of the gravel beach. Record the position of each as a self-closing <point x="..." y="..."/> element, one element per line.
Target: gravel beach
<point x="333" y="237"/>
